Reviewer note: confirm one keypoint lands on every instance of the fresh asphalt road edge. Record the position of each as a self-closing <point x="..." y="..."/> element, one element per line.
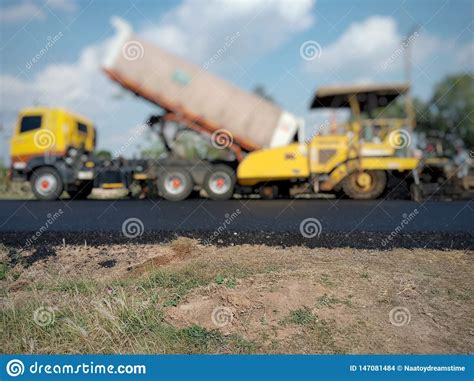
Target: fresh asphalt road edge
<point x="344" y="223"/>
<point x="361" y="240"/>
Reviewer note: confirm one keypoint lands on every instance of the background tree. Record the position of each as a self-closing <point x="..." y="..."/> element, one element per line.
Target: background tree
<point x="104" y="155"/>
<point x="452" y="107"/>
<point x="448" y="114"/>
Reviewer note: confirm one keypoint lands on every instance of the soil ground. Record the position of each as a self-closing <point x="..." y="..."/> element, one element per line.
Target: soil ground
<point x="183" y="297"/>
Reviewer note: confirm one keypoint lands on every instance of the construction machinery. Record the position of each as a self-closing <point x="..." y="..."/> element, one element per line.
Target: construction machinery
<point x="269" y="154"/>
<point x="191" y="95"/>
<point x="349" y="162"/>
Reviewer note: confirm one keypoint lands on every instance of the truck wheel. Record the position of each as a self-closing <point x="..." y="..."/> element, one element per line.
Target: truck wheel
<point x="220" y="182"/>
<point x="365" y="185"/>
<point x="83" y="191"/>
<point x="46" y="184"/>
<point x="175" y="184"/>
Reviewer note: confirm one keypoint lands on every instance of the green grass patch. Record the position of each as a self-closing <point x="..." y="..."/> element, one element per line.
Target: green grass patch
<point x="329" y="301"/>
<point x="325" y="280"/>
<point x="3" y="271"/>
<point x="227" y="282"/>
<point x="301" y="316"/>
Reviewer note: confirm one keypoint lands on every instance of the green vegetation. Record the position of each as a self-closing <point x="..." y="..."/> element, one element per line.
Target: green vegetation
<point x="127" y="316"/>
<point x="329" y="301"/>
<point x="326" y="280"/>
<point x="447" y="114"/>
<point x="302" y="316"/>
<point x="3" y="271"/>
<point x="103" y="155"/>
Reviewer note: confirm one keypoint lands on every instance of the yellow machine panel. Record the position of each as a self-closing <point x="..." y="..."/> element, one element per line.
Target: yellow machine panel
<point x="43" y="130"/>
<point x="326" y="152"/>
<point x="282" y="163"/>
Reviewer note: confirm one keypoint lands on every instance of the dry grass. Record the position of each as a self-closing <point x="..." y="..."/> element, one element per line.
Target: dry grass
<point x="187" y="298"/>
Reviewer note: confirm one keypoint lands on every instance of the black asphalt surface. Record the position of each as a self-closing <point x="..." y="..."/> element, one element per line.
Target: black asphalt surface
<point x="340" y="222"/>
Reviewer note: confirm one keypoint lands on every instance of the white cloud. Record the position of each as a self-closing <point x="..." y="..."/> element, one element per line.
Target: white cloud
<point x="25" y="11"/>
<point x="371" y="49"/>
<point x="79" y="84"/>
<point x="465" y="56"/>
<point x="21" y="12"/>
<point x="63" y="5"/>
<point x="198" y="29"/>
<point x="82" y="87"/>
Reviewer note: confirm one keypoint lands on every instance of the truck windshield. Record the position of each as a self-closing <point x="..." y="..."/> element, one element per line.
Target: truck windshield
<point x="29" y="123"/>
<point x="82" y="127"/>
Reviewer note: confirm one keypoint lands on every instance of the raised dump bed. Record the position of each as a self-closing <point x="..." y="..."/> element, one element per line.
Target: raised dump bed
<point x="202" y="101"/>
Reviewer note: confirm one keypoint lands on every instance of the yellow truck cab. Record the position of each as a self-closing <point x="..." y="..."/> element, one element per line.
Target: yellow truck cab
<point x="52" y="148"/>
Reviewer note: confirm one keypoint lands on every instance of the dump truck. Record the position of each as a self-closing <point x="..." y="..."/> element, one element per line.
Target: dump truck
<point x="272" y="157"/>
<point x="54" y="149"/>
<point x="195" y="97"/>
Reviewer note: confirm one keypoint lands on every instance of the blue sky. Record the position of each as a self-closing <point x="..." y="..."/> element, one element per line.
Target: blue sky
<point x="355" y="41"/>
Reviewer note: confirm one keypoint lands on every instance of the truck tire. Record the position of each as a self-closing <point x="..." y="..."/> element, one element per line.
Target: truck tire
<point x="364" y="185"/>
<point x="83" y="191"/>
<point x="219" y="183"/>
<point x="175" y="184"/>
<point x="46" y="184"/>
